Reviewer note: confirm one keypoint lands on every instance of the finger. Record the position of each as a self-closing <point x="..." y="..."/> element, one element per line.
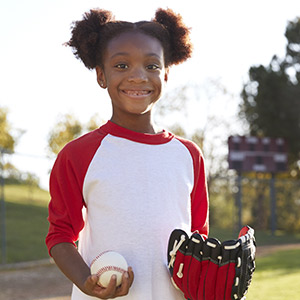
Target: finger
<point x="92" y="287"/>
<point x="91" y="282"/>
<point x="123" y="289"/>
<point x="127" y="280"/>
<point x="131" y="276"/>
<point x="110" y="290"/>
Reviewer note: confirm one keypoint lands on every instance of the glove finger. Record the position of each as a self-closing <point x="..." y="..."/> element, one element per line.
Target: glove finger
<point x="233" y="248"/>
<point x="176" y="255"/>
<point x="226" y="271"/>
<point x="207" y="249"/>
<point x="246" y="263"/>
<point x="195" y="266"/>
<point x="188" y="267"/>
<point x="176" y="239"/>
<point x="213" y="266"/>
<point x="222" y="273"/>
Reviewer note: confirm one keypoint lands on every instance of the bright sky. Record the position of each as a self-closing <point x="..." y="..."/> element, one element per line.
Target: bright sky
<point x="41" y="79"/>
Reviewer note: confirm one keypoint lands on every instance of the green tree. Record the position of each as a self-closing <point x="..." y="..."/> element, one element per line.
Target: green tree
<point x="7" y="142"/>
<point x="66" y="129"/>
<point x="94" y="123"/>
<point x="271" y="97"/>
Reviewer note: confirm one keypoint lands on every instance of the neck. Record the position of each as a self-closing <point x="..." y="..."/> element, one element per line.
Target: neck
<point x="141" y="123"/>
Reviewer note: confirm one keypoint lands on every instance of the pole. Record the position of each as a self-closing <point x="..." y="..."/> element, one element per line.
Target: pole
<point x="2" y="211"/>
<point x="239" y="200"/>
<point x="273" y="205"/>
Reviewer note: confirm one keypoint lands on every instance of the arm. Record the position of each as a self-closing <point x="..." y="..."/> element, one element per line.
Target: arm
<point x="66" y="221"/>
<point x="73" y="266"/>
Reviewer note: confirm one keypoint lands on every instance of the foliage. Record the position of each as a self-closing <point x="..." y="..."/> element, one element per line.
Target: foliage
<point x="7" y="142"/>
<point x="271" y="97"/>
<point x="14" y="176"/>
<point x="256" y="201"/>
<point x="93" y="123"/>
<point x="67" y="129"/>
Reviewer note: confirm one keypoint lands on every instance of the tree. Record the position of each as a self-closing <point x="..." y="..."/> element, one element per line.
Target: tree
<point x="94" y="123"/>
<point x="271" y="97"/>
<point x="67" y="129"/>
<point x="7" y="142"/>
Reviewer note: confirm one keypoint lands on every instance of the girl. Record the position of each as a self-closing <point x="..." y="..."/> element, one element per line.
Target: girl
<point x="128" y="184"/>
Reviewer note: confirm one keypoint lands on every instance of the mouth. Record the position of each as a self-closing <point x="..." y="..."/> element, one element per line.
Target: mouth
<point x="137" y="93"/>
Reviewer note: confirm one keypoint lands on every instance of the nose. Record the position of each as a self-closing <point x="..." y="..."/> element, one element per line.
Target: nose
<point x="138" y="75"/>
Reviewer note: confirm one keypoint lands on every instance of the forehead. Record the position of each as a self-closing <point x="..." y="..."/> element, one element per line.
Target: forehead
<point x="132" y="42"/>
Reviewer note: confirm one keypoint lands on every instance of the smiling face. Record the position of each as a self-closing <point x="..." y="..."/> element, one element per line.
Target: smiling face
<point x="134" y="73"/>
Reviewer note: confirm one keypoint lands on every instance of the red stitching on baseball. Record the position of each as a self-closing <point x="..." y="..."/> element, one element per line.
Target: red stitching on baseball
<point x="100" y="255"/>
<point x="110" y="268"/>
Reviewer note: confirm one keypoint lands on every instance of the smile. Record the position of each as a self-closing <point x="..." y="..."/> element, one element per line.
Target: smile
<point x="136" y="93"/>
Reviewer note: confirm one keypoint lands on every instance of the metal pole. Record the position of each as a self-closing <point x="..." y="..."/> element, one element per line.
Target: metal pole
<point x="2" y="212"/>
<point x="273" y="205"/>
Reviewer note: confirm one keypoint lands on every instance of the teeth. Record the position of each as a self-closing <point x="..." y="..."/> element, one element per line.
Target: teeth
<point x="136" y="93"/>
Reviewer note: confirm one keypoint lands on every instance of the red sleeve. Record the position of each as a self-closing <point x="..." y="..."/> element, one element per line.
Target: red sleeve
<point x="66" y="182"/>
<point x="199" y="195"/>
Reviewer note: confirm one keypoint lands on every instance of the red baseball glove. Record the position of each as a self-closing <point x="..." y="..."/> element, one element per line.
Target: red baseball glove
<point x="210" y="270"/>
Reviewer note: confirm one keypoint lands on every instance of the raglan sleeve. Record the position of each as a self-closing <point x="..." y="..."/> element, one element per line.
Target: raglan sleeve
<point x="199" y="194"/>
<point x="66" y="203"/>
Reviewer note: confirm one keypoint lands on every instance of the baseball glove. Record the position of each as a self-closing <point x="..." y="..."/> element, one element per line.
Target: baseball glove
<point x="210" y="270"/>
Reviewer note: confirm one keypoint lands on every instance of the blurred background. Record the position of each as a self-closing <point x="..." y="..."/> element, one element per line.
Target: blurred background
<point x="242" y="81"/>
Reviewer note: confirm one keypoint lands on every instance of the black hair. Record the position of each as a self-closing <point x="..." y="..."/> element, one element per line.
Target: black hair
<point x="91" y="35"/>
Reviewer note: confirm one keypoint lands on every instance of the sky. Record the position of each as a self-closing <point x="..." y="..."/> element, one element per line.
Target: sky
<point x="41" y="79"/>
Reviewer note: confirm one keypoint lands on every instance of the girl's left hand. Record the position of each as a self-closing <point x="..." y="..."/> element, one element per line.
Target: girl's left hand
<point x="112" y="290"/>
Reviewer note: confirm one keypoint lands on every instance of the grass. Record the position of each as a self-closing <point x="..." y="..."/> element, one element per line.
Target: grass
<point x="26" y="223"/>
<point x="262" y="237"/>
<point x="27" y="226"/>
<point x="277" y="277"/>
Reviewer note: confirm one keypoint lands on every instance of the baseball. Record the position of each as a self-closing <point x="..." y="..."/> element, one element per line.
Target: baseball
<point x="107" y="264"/>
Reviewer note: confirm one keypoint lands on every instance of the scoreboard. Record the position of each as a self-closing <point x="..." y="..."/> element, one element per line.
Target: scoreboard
<point x="249" y="153"/>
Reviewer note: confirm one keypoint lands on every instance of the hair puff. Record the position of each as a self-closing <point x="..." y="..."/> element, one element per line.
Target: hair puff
<point x="180" y="44"/>
<point x="86" y="34"/>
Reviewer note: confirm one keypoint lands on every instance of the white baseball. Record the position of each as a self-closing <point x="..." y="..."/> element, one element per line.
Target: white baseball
<point x="107" y="264"/>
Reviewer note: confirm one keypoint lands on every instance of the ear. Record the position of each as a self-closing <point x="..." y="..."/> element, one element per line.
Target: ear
<point x="166" y="74"/>
<point x="101" y="77"/>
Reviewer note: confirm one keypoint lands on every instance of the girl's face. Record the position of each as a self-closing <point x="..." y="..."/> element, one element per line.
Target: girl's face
<point x="134" y="74"/>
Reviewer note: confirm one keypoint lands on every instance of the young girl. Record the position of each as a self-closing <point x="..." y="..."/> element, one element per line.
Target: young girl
<point x="128" y="184"/>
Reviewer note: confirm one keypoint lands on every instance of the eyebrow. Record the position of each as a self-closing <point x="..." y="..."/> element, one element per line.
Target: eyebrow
<point x="127" y="54"/>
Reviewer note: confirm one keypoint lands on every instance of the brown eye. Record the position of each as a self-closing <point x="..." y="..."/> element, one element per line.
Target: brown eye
<point x="152" y="67"/>
<point x="121" y="66"/>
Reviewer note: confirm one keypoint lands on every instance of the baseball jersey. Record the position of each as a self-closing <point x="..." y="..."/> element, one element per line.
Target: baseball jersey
<point x="116" y="189"/>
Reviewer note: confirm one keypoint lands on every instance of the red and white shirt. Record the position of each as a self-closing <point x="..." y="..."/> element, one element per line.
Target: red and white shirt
<point x="115" y="189"/>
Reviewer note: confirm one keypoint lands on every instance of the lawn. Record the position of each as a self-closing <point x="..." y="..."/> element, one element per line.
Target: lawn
<point x="277" y="277"/>
<point x="26" y="223"/>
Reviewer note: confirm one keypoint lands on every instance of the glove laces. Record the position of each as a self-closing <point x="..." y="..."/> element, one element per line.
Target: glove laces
<point x="173" y="252"/>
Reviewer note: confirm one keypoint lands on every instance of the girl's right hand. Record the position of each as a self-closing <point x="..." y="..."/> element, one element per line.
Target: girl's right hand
<point x="91" y="287"/>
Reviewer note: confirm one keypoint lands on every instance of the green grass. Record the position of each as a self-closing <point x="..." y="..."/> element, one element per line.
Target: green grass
<point x="26" y="223"/>
<point x="277" y="277"/>
<point x="27" y="226"/>
<point x="262" y="237"/>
